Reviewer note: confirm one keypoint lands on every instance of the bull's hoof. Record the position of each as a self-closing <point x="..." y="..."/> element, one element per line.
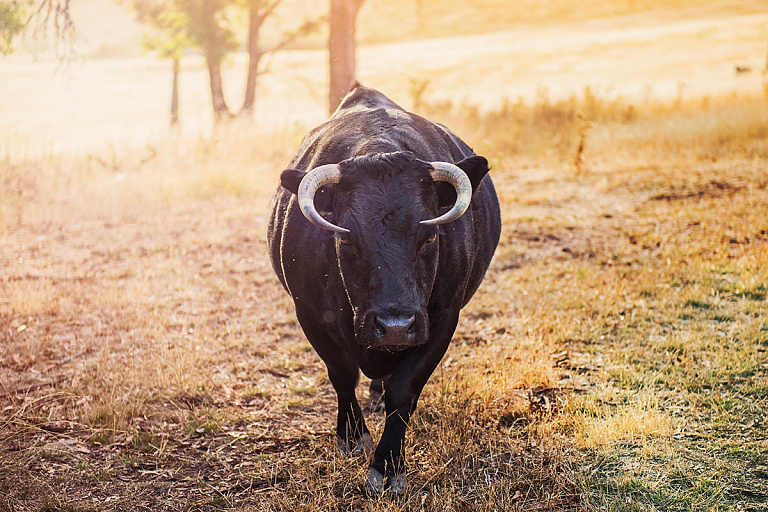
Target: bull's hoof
<point x="362" y="445"/>
<point x="376" y="484"/>
<point x="397" y="484"/>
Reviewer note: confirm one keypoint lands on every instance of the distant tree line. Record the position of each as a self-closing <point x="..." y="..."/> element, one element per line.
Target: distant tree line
<point x="211" y="27"/>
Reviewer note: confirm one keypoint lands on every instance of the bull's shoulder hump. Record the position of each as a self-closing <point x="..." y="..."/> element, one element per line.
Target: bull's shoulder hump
<point x="380" y="127"/>
<point x="362" y="98"/>
<point x="353" y="129"/>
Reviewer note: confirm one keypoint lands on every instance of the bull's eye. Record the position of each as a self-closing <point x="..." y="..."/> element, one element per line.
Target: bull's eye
<point x="430" y="240"/>
<point x="344" y="240"/>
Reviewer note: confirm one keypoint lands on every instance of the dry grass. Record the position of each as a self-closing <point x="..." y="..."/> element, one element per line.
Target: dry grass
<point x="615" y="357"/>
<point x="605" y="133"/>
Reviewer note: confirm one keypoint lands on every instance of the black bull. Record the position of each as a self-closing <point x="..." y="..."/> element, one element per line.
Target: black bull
<point x="380" y="290"/>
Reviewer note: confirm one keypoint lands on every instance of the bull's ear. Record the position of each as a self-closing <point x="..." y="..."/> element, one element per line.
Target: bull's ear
<point x="476" y="168"/>
<point x="291" y="178"/>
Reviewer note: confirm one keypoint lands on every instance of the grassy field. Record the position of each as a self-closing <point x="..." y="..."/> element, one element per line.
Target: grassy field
<point x="615" y="358"/>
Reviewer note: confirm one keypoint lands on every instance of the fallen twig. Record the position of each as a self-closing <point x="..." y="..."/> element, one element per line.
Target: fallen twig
<point x="32" y="387"/>
<point x="275" y="373"/>
<point x="254" y="485"/>
<point x="9" y="319"/>
<point x="52" y="277"/>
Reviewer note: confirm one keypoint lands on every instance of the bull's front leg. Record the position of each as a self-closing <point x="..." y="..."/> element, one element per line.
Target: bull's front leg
<point x="352" y="433"/>
<point x="403" y="388"/>
<point x="387" y="471"/>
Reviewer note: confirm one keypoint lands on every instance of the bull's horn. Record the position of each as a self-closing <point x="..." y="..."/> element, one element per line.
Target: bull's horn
<point x="443" y="171"/>
<point x="312" y="181"/>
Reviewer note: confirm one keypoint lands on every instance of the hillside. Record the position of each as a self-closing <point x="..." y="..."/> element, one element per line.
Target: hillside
<point x="644" y="55"/>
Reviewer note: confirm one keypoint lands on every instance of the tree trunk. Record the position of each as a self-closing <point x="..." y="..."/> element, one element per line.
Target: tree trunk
<point x="220" y="108"/>
<point x="254" y="56"/>
<point x="175" y="94"/>
<point x="341" y="49"/>
<point x="214" y="54"/>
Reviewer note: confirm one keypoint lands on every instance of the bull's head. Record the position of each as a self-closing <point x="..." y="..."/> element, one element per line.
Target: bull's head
<point x="385" y="211"/>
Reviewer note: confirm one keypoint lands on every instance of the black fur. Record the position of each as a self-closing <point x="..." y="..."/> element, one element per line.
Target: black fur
<point x="348" y="289"/>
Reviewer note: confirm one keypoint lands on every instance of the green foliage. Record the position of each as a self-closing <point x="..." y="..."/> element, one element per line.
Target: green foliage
<point x="169" y="21"/>
<point x="211" y="26"/>
<point x="13" y="14"/>
<point x="169" y="36"/>
<point x="176" y="25"/>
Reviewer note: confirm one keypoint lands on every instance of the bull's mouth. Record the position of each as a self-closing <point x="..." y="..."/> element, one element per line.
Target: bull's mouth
<point x="391" y="347"/>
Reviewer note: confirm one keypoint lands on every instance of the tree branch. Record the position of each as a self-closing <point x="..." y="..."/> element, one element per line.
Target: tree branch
<point x="56" y="12"/>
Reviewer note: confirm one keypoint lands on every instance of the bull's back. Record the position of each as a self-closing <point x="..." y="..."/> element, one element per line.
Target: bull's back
<point x="368" y="122"/>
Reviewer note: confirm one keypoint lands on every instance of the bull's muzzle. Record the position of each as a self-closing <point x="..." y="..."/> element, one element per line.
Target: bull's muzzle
<point x="399" y="331"/>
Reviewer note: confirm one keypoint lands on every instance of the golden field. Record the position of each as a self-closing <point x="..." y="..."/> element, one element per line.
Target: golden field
<point x="615" y="358"/>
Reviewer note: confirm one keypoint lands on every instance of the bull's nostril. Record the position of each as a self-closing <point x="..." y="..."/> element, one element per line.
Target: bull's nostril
<point x="379" y="327"/>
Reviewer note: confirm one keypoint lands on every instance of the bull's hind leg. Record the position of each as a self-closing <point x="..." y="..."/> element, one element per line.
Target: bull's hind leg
<point x="376" y="396"/>
<point x="352" y="433"/>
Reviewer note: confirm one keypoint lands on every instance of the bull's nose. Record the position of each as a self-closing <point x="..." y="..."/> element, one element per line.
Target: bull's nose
<point x="395" y="330"/>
